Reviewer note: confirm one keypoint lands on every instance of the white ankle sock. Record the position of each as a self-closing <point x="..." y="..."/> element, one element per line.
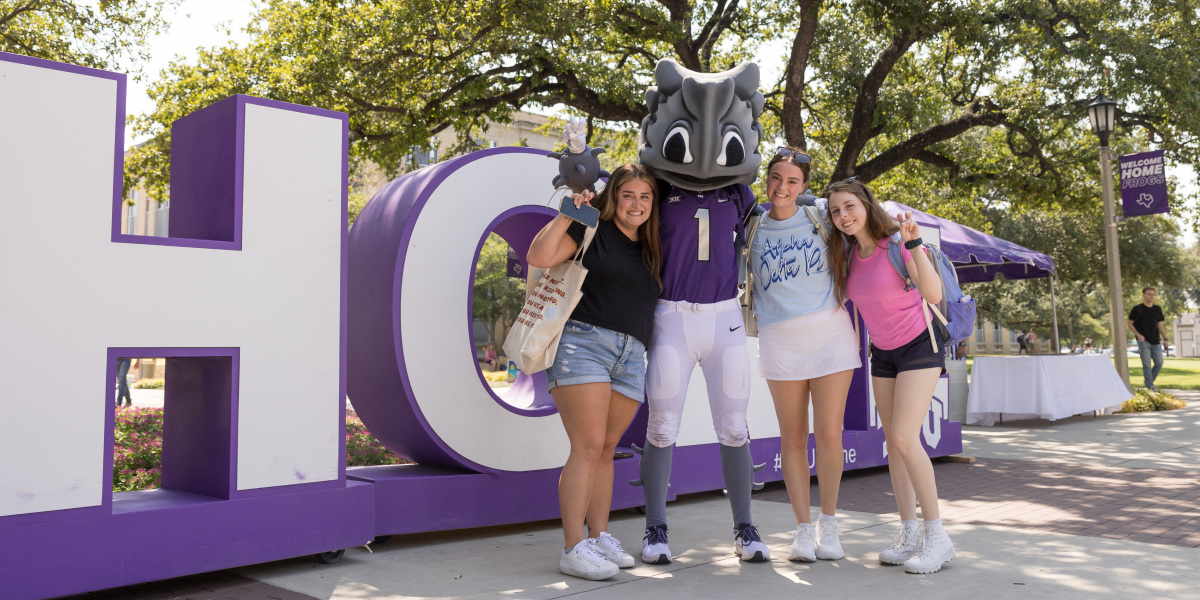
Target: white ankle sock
<point x="828" y="518"/>
<point x="909" y="525"/>
<point x="934" y="526"/>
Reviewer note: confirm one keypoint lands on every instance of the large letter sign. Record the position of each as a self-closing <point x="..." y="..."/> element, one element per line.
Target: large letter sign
<point x="248" y="305"/>
<point x="269" y="314"/>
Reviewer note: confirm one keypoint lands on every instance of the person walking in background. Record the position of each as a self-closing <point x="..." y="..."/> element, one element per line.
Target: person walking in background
<point x="123" y="365"/>
<point x="905" y="364"/>
<point x="1022" y="347"/>
<point x="806" y="346"/>
<point x="1146" y="322"/>
<point x="489" y="357"/>
<point x="1031" y="341"/>
<point x="599" y="373"/>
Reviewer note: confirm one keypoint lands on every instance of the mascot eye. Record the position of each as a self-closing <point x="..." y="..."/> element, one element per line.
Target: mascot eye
<point x="732" y="151"/>
<point x="677" y="148"/>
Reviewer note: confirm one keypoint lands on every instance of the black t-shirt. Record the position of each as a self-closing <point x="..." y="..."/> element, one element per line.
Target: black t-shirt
<point x="1145" y="321"/>
<point x="619" y="292"/>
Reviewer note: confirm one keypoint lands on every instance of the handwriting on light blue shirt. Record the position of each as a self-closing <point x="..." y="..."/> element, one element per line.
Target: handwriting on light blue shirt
<point x="779" y="259"/>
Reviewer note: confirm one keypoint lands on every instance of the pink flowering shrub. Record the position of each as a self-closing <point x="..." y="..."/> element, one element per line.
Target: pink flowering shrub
<point x="362" y="449"/>
<point x="137" y="448"/>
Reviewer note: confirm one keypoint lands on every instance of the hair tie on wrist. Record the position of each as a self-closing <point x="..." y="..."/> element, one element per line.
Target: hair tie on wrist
<point x="913" y="243"/>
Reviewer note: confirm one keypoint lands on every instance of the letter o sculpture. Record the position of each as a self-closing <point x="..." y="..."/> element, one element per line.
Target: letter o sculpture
<point x="412" y="374"/>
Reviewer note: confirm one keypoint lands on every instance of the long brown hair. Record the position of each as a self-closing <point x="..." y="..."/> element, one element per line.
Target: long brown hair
<point x="648" y="237"/>
<point x="879" y="224"/>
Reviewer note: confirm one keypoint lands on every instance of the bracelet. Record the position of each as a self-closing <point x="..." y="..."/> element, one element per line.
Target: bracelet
<point x="913" y="243"/>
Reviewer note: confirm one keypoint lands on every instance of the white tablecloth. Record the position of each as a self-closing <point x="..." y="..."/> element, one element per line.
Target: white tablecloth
<point x="1047" y="387"/>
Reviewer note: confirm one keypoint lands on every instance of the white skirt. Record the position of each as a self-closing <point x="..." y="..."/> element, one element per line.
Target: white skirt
<point x="808" y="346"/>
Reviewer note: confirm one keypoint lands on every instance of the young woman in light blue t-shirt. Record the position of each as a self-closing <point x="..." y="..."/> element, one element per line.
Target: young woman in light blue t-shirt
<point x="806" y="346"/>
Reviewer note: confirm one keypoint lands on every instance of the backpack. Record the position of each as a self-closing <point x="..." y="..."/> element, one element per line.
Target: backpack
<point x="955" y="312"/>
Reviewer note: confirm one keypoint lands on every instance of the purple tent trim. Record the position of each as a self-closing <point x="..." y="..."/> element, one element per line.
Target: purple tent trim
<point x="978" y="256"/>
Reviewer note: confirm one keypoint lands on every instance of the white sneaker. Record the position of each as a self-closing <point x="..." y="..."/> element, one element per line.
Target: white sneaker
<point x="903" y="548"/>
<point x="934" y="550"/>
<point x="803" y="546"/>
<point x="610" y="548"/>
<point x="829" y="547"/>
<point x="584" y="562"/>
<point x="654" y="546"/>
<point x="748" y="545"/>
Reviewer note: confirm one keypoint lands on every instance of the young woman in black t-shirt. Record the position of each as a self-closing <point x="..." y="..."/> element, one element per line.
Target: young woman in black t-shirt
<point x="599" y="373"/>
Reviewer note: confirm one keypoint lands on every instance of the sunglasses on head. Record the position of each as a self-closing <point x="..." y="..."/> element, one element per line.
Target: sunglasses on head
<point x="846" y="180"/>
<point x="795" y="155"/>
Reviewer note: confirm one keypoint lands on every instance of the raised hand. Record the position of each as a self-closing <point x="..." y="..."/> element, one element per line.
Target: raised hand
<point x="909" y="230"/>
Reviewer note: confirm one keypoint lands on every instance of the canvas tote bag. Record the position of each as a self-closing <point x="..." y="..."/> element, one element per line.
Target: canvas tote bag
<point x="550" y="297"/>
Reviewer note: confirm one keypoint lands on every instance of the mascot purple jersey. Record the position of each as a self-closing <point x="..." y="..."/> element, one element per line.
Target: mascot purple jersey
<point x="701" y="141"/>
<point x="699" y="253"/>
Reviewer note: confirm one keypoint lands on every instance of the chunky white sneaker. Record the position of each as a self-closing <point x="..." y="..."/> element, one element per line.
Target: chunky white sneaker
<point x="829" y="547"/>
<point x="903" y="548"/>
<point x="610" y="548"/>
<point x="654" y="546"/>
<point x="803" y="546"/>
<point x="584" y="562"/>
<point x="748" y="545"/>
<point x="933" y="551"/>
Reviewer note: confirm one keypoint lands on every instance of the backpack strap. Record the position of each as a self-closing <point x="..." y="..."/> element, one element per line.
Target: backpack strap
<point x="897" y="260"/>
<point x="818" y="220"/>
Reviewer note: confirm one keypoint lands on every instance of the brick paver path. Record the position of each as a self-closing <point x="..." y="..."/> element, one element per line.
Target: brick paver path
<point x="219" y="585"/>
<point x="1143" y="505"/>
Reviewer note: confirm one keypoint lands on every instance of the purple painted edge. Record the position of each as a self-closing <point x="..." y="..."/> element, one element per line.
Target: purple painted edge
<point x="443" y="172"/>
<point x="514" y="211"/>
<point x="344" y="316"/>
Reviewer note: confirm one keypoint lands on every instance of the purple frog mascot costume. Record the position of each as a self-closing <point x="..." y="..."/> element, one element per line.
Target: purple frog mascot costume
<point x="701" y="141"/>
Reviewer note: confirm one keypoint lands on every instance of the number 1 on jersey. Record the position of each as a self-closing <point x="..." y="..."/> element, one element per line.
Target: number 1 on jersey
<point x="702" y="235"/>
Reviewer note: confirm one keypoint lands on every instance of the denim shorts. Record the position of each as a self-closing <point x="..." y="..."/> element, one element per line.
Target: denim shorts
<point x="592" y="354"/>
<point x="917" y="354"/>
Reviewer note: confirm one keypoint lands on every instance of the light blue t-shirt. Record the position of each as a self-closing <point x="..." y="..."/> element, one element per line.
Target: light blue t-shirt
<point x="790" y="264"/>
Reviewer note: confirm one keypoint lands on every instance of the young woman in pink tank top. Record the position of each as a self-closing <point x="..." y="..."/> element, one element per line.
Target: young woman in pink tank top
<point x="904" y="366"/>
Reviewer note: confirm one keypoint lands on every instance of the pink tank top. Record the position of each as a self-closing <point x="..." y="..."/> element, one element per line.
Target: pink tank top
<point x="892" y="315"/>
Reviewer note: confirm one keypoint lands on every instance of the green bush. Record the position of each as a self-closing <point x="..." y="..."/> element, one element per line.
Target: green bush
<point x="1147" y="400"/>
<point x="137" y="448"/>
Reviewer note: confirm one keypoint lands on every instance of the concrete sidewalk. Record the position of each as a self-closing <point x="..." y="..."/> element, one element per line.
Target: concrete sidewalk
<point x="1086" y="507"/>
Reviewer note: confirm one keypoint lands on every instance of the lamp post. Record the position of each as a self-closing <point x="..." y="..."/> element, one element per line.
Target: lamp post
<point x="1102" y="112"/>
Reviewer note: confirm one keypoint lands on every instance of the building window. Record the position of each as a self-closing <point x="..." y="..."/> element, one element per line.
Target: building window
<point x="131" y="219"/>
<point x="161" y="218"/>
<point x="996" y="333"/>
<point x="979" y="335"/>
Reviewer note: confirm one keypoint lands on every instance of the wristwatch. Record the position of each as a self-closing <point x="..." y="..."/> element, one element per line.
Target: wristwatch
<point x="913" y="243"/>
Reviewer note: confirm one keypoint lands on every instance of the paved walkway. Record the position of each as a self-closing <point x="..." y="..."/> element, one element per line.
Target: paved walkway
<point x="1086" y="507"/>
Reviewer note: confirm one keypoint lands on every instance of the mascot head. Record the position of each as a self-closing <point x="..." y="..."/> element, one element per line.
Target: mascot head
<point x="702" y="132"/>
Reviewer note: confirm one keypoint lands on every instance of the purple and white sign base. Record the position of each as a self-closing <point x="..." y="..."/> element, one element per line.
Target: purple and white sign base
<point x="160" y="534"/>
<point x="416" y="499"/>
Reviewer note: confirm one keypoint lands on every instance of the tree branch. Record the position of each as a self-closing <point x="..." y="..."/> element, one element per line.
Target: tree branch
<point x="792" y="117"/>
<point x="896" y="155"/>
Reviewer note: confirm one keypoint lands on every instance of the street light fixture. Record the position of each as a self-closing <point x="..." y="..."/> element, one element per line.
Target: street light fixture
<point x="1102" y="113"/>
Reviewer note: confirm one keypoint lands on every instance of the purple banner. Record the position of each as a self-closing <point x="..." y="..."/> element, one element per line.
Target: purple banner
<point x="1144" y="184"/>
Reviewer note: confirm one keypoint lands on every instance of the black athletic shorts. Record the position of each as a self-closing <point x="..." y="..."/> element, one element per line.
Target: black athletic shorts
<point x="917" y="354"/>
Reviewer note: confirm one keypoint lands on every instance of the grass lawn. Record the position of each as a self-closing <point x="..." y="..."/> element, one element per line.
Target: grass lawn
<point x="1176" y="374"/>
